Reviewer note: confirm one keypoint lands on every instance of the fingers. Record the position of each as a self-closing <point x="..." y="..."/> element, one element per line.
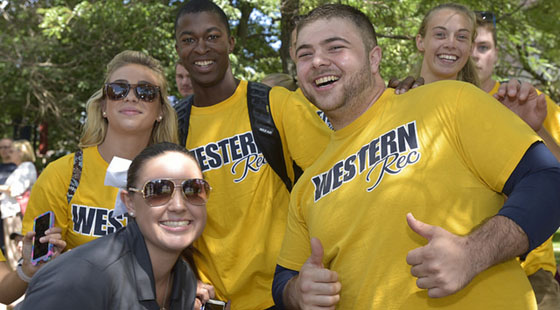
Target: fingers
<point x="425" y="230"/>
<point x="204" y="291"/>
<point x="393" y="82"/>
<point x="317" y="252"/>
<point x="405" y="85"/>
<point x="419" y="82"/>
<point x="197" y="304"/>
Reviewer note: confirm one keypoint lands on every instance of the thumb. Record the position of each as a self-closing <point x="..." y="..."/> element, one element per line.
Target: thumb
<point x="421" y="228"/>
<point x="317" y="252"/>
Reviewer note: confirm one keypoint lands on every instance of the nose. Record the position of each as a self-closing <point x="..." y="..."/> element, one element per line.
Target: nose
<point x="201" y="47"/>
<point x="320" y="59"/>
<point x="178" y="202"/>
<point x="131" y="96"/>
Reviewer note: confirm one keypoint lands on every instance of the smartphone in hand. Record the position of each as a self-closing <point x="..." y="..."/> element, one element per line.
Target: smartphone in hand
<point x="213" y="304"/>
<point x="42" y="251"/>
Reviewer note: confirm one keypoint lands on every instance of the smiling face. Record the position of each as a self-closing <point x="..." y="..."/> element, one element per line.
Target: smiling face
<point x="446" y="45"/>
<point x="334" y="69"/>
<point x="484" y="55"/>
<point x="203" y="44"/>
<point x="173" y="226"/>
<point x="131" y="114"/>
<point x="6" y="150"/>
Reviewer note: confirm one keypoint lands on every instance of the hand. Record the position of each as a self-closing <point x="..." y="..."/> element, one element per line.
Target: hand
<point x="316" y="286"/>
<point x="52" y="235"/>
<point x="405" y="85"/>
<point x="523" y="100"/>
<point x="443" y="265"/>
<point x="204" y="291"/>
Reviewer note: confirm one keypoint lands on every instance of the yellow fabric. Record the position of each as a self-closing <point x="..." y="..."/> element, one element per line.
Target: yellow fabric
<point x="2" y="258"/>
<point x="248" y="205"/>
<point x="89" y="214"/>
<point x="442" y="151"/>
<point x="543" y="255"/>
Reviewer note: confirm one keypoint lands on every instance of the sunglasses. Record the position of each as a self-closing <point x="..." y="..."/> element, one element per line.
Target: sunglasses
<point x="119" y="90"/>
<point x="487" y="16"/>
<point x="158" y="192"/>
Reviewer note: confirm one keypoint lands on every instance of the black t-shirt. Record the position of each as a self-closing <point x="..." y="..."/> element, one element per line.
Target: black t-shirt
<point x="6" y="170"/>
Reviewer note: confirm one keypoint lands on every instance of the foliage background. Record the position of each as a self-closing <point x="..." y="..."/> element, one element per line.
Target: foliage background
<point x="53" y="52"/>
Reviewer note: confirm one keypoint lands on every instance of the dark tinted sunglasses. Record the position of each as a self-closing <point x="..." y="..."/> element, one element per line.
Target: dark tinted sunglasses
<point x="158" y="192"/>
<point x="487" y="16"/>
<point x="119" y="90"/>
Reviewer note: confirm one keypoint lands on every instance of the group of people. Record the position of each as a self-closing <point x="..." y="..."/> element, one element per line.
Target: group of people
<point x="422" y="222"/>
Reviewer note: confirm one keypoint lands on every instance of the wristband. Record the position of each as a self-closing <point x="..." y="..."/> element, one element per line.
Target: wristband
<point x="25" y="278"/>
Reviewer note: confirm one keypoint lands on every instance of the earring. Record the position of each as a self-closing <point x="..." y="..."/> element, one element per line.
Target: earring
<point x="159" y="118"/>
<point x="104" y="114"/>
<point x="131" y="214"/>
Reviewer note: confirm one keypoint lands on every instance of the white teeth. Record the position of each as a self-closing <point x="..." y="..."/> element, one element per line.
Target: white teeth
<point x="326" y="79"/>
<point x="204" y="63"/>
<point x="448" y="57"/>
<point x="176" y="223"/>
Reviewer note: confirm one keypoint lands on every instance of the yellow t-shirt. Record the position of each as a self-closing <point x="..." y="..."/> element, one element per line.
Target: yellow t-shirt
<point x="89" y="214"/>
<point x="443" y="152"/>
<point x="2" y="258"/>
<point x="249" y="202"/>
<point x="543" y="255"/>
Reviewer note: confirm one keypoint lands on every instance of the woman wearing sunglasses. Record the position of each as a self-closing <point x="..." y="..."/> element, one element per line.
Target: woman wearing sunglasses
<point x="127" y="113"/>
<point x="140" y="266"/>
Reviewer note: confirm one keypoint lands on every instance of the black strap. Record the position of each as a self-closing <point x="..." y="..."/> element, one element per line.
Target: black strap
<point x="76" y="175"/>
<point x="264" y="130"/>
<point x="183" y="109"/>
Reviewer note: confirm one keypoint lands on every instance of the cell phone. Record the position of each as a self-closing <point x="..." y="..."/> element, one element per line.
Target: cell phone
<point x="42" y="251"/>
<point x="213" y="304"/>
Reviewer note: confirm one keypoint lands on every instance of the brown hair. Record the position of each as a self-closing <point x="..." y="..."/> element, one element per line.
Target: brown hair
<point x="468" y="73"/>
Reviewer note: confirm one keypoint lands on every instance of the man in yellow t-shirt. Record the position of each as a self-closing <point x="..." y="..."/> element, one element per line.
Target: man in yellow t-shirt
<point x="248" y="207"/>
<point x="444" y="152"/>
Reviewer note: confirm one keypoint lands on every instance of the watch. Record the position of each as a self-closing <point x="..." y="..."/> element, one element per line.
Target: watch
<point x="25" y="278"/>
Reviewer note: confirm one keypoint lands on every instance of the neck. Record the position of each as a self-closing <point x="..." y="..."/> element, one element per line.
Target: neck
<point x="123" y="145"/>
<point x="488" y="85"/>
<point x="429" y="77"/>
<point x="349" y="112"/>
<point x="162" y="267"/>
<point x="205" y="96"/>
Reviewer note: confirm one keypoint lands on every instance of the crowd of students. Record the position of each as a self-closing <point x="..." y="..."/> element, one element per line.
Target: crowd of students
<point x="401" y="205"/>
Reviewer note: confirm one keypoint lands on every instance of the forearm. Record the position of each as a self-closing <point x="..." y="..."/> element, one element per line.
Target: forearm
<point x="496" y="240"/>
<point x="550" y="143"/>
<point x="11" y="286"/>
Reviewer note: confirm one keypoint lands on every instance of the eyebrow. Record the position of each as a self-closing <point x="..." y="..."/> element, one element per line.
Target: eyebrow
<point x="206" y="31"/>
<point x="443" y="28"/>
<point x="138" y="83"/>
<point x="326" y="41"/>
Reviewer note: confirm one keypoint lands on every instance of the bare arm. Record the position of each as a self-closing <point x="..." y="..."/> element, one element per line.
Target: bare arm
<point x="449" y="262"/>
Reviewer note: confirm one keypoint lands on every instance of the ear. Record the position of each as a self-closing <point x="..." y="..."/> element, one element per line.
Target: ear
<point x="127" y="200"/>
<point x="231" y="44"/>
<point x="420" y="43"/>
<point x="375" y="59"/>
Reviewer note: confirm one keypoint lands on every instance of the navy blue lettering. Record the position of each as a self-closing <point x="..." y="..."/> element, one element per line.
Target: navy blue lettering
<point x="115" y="224"/>
<point x="373" y="152"/>
<point x="199" y="153"/>
<point x="337" y="175"/>
<point x="407" y="137"/>
<point x="349" y="168"/>
<point x="100" y="223"/>
<point x="83" y="223"/>
<point x="235" y="148"/>
<point x="362" y="157"/>
<point x="214" y="157"/>
<point x="223" y="147"/>
<point x="247" y="145"/>
<point x="388" y="144"/>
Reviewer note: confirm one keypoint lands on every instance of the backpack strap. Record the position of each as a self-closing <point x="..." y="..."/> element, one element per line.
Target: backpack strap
<point x="183" y="109"/>
<point x="264" y="130"/>
<point x="76" y="175"/>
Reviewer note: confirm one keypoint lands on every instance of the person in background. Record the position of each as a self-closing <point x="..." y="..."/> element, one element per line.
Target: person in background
<point x="128" y="112"/>
<point x="183" y="80"/>
<point x="13" y="283"/>
<point x="140" y="266"/>
<point x="6" y="166"/>
<point x="540" y="264"/>
<point x="280" y="79"/>
<point x="17" y="188"/>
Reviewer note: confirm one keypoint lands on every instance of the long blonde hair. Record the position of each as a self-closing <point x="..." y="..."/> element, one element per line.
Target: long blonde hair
<point x="26" y="149"/>
<point x="95" y="127"/>
<point x="468" y="73"/>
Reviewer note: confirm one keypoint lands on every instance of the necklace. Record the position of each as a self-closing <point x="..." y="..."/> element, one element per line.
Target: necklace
<point x="165" y="294"/>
